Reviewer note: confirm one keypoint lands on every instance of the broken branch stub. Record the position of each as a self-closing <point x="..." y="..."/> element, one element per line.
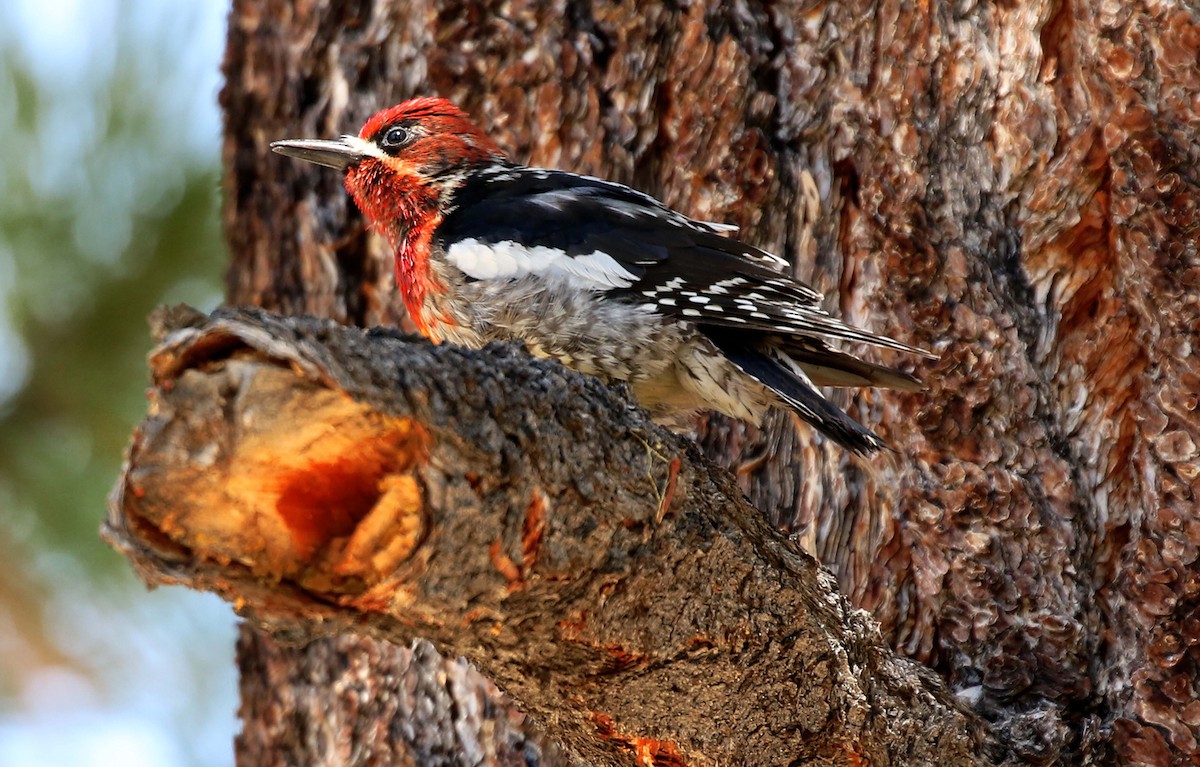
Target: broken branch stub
<point x="612" y="582"/>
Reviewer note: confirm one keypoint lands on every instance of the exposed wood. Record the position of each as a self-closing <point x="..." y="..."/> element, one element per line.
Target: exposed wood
<point x="605" y="575"/>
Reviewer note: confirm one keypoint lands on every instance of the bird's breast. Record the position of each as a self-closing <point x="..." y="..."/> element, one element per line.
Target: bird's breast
<point x="421" y="283"/>
<point x="583" y="330"/>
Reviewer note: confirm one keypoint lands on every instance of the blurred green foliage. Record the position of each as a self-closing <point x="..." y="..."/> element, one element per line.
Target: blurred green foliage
<point x="109" y="206"/>
<point x="106" y="209"/>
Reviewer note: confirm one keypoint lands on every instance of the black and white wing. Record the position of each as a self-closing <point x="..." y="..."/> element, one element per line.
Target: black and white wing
<point x="514" y="221"/>
<point x="510" y="222"/>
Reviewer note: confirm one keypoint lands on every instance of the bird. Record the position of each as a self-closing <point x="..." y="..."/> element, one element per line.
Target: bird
<point x="605" y="279"/>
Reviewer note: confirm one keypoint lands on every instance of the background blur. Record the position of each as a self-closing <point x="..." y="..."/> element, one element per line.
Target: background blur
<point x="109" y="174"/>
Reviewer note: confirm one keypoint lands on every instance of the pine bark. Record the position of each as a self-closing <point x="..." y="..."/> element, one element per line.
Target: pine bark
<point x="513" y="513"/>
<point x="1010" y="185"/>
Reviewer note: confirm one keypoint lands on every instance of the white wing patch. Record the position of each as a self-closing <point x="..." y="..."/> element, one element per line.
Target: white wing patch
<point x="510" y="260"/>
<point x="717" y="226"/>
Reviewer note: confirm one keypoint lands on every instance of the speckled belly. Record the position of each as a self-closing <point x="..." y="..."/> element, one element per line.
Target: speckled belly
<point x="673" y="369"/>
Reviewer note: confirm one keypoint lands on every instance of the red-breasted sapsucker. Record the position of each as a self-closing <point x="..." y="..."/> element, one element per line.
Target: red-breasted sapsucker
<point x="602" y="278"/>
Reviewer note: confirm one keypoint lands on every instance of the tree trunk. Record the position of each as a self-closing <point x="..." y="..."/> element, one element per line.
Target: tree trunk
<point x="1010" y="185"/>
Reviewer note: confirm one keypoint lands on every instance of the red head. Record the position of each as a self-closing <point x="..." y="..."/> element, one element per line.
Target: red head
<point x="400" y="168"/>
<point x="403" y="161"/>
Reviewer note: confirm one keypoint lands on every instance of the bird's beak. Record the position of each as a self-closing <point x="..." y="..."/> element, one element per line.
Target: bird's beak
<point x="338" y="155"/>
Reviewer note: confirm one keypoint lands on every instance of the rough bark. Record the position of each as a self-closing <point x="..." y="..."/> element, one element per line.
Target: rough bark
<point x="519" y="515"/>
<point x="1010" y="184"/>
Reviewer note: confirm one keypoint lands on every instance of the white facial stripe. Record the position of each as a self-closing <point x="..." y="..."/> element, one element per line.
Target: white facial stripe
<point x="510" y="260"/>
<point x="365" y="148"/>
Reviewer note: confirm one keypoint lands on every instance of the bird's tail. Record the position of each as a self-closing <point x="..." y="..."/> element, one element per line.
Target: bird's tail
<point x="826" y="366"/>
<point x="786" y="377"/>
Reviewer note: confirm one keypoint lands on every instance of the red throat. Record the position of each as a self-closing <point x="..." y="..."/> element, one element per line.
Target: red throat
<point x="400" y="188"/>
<point x="405" y="211"/>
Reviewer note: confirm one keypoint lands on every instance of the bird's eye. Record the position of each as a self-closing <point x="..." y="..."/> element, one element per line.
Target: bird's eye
<point x="395" y="136"/>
